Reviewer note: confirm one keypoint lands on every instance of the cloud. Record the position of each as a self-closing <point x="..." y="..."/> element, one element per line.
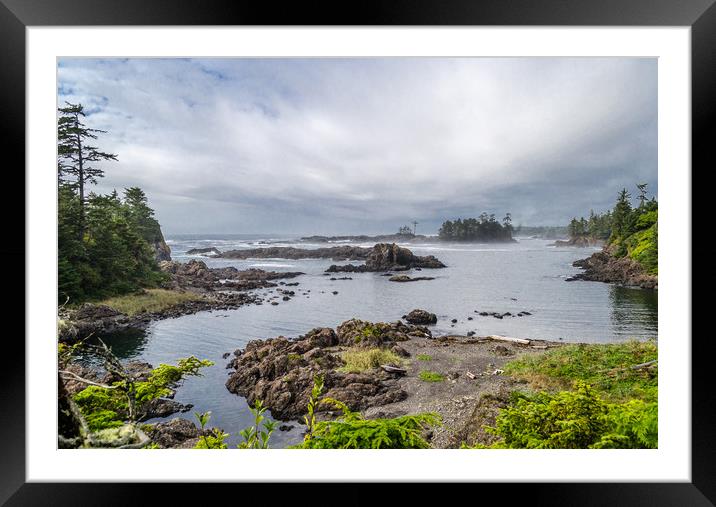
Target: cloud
<point x="364" y="145"/>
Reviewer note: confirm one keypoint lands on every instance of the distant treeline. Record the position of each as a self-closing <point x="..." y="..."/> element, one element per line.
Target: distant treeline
<point x="628" y="230"/>
<point x="484" y="228"/>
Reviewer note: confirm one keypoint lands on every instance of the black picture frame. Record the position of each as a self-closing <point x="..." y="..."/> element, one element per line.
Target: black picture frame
<point x="700" y="15"/>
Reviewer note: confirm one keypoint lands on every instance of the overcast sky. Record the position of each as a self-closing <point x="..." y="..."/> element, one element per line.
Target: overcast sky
<point x="324" y="146"/>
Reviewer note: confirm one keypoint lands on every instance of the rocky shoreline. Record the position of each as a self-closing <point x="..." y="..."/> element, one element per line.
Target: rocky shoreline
<point x="280" y="371"/>
<point x="603" y="267"/>
<point x="210" y="288"/>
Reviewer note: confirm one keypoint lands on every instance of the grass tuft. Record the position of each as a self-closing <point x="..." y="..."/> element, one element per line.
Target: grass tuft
<point x="431" y="376"/>
<point x="424" y="357"/>
<point x="359" y="360"/>
<point x="149" y="301"/>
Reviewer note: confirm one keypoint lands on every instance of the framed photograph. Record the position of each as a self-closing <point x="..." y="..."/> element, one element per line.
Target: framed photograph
<point x="421" y="245"/>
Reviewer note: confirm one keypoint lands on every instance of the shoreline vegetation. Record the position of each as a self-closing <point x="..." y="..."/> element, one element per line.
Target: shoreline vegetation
<point x="360" y="385"/>
<point x="629" y="235"/>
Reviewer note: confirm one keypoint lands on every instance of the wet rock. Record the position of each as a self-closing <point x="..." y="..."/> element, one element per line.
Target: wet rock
<point x="280" y="372"/>
<point x="204" y="251"/>
<point x="406" y="278"/>
<point x="421" y="317"/>
<point x="389" y="257"/>
<point x="603" y="267"/>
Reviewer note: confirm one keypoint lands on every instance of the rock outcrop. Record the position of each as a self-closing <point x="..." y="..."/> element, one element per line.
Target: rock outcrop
<point x="336" y="253"/>
<point x="406" y="278"/>
<point x="280" y="372"/>
<point x="389" y="257"/>
<point x="602" y="267"/>
<point x="196" y="275"/>
<point x="209" y="252"/>
<point x="422" y="317"/>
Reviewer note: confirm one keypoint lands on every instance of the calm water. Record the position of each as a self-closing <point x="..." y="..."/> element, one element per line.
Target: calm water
<point x="528" y="275"/>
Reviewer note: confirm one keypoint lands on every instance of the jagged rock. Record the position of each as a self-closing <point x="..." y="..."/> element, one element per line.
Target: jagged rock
<point x="196" y="275"/>
<point x="421" y="317"/>
<point x="389" y="257"/>
<point x="204" y="251"/>
<point x="177" y="433"/>
<point x="603" y="267"/>
<point x="280" y="372"/>
<point x="368" y="334"/>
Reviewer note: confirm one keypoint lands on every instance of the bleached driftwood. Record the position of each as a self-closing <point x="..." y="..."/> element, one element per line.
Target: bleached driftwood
<point x="521" y="341"/>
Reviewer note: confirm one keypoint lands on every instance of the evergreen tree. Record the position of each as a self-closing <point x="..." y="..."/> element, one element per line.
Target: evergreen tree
<point x="75" y="154"/>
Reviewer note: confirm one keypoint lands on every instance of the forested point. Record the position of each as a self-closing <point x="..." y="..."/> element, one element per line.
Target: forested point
<point x="629" y="231"/>
<point x="105" y="242"/>
<point x="484" y="228"/>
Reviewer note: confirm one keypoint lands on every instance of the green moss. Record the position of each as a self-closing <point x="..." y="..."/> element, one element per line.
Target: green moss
<point x="105" y="408"/>
<point x="294" y="357"/>
<point x="424" y="357"/>
<point x="431" y="376"/>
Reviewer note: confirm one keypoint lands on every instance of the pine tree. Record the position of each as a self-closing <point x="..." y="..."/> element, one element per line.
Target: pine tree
<point x="75" y="155"/>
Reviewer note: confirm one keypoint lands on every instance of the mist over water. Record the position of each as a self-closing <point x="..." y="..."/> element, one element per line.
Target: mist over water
<point x="525" y="276"/>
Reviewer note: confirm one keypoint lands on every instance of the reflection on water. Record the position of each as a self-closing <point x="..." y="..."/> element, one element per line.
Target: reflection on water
<point x="633" y="307"/>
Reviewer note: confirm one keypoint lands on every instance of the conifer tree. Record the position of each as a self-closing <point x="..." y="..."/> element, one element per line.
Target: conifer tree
<point x="75" y="154"/>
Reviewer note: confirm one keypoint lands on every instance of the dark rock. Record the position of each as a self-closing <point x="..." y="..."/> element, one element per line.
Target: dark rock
<point x="454" y="321"/>
<point x="421" y="317"/>
<point x="471" y="333"/>
<point x="203" y="251"/>
<point x="280" y="372"/>
<point x="286" y="427"/>
<point x="397" y="349"/>
<point x="334" y="292"/>
<point x="406" y="278"/>
<point x="604" y="267"/>
<point x="177" y="433"/>
<point x="389" y="257"/>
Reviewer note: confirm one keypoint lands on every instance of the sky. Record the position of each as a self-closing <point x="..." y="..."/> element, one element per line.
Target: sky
<point x="363" y="146"/>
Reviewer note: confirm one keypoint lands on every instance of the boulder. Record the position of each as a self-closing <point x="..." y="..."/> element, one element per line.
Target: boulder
<point x="421" y="317"/>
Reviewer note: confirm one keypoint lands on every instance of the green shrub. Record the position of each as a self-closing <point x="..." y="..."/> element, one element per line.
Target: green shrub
<point x="577" y="419"/>
<point x="108" y="407"/>
<point x="213" y="441"/>
<point x="359" y="360"/>
<point x="431" y="376"/>
<point x="257" y="436"/>
<point x="351" y="431"/>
